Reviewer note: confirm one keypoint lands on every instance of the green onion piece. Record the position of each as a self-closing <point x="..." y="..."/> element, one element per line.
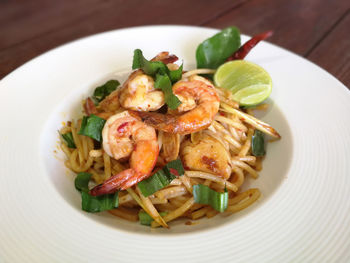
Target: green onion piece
<point x="81" y="182"/>
<point x="103" y="91"/>
<point x="91" y="203"/>
<point x="163" y="82"/>
<point x="146" y="219"/>
<point x="92" y="126"/>
<point x="258" y="143"/>
<point x="161" y="178"/>
<point x="156" y="182"/>
<point x="100" y="203"/>
<point x="175" y="167"/>
<point x="204" y="195"/>
<point x="68" y="137"/>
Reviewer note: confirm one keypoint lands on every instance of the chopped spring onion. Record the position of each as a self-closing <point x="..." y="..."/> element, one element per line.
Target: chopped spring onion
<point x="91" y="203"/>
<point x="146" y="219"/>
<point x="258" y="143"/>
<point x="92" y="126"/>
<point x="175" y="167"/>
<point x="156" y="182"/>
<point x="68" y="137"/>
<point x="103" y="91"/>
<point x="100" y="203"/>
<point x="161" y="178"/>
<point x="204" y="195"/>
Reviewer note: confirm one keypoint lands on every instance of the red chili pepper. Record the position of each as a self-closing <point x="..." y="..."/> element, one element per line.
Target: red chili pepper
<point x="242" y="52"/>
<point x="174" y="171"/>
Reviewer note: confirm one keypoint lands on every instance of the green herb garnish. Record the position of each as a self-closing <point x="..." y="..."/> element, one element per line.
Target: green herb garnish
<point x="164" y="78"/>
<point x="146" y="219"/>
<point x="175" y="75"/>
<point x="81" y="182"/>
<point x="103" y="91"/>
<point x="161" y="178"/>
<point x="175" y="167"/>
<point x="258" y="143"/>
<point x="204" y="195"/>
<point x="163" y="82"/>
<point x="92" y="126"/>
<point x="100" y="203"/>
<point x="150" y="68"/>
<point x="68" y="137"/>
<point x="214" y="51"/>
<point x="91" y="203"/>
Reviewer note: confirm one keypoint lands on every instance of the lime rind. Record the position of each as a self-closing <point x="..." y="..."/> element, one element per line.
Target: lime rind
<point x="253" y="95"/>
<point x="249" y="83"/>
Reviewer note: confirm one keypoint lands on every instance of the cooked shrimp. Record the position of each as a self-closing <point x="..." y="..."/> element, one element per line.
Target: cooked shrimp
<point x="138" y="93"/>
<point x="195" y="89"/>
<point x="90" y="108"/>
<point x="165" y="57"/>
<point x="111" y="102"/>
<point x="206" y="154"/>
<point x="170" y="147"/>
<point x="124" y="135"/>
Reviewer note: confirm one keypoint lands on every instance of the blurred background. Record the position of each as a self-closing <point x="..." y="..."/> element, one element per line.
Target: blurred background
<point x="315" y="29"/>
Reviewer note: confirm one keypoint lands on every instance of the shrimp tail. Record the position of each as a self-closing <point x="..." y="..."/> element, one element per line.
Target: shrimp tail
<point x="174" y="124"/>
<point x="163" y="122"/>
<point x="120" y="181"/>
<point x="165" y="57"/>
<point x="114" y="183"/>
<point x="133" y="180"/>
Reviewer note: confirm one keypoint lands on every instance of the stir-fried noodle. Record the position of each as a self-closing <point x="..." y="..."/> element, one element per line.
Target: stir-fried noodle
<point x="229" y="131"/>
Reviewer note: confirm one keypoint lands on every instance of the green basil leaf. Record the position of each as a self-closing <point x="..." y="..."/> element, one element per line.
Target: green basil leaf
<point x="161" y="178"/>
<point x="176" y="75"/>
<point x="214" y="51"/>
<point x="92" y="126"/>
<point x="150" y="68"/>
<point x="68" y="137"/>
<point x="258" y="143"/>
<point x="163" y="82"/>
<point x="204" y="195"/>
<point x="81" y="182"/>
<point x="146" y="219"/>
<point x="103" y="91"/>
<point x="100" y="203"/>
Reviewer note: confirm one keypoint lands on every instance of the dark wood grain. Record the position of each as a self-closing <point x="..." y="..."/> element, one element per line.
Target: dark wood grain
<point x="297" y="24"/>
<point x="334" y="56"/>
<point x="106" y="15"/>
<point x="316" y="29"/>
<point x="23" y="20"/>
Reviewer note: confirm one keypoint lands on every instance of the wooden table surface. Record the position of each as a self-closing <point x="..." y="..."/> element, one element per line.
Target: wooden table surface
<point x="318" y="30"/>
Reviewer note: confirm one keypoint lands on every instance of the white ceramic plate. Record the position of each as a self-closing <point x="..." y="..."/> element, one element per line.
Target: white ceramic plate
<point x="303" y="215"/>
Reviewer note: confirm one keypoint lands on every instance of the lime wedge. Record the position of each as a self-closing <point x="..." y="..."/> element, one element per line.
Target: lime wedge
<point x="249" y="83"/>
